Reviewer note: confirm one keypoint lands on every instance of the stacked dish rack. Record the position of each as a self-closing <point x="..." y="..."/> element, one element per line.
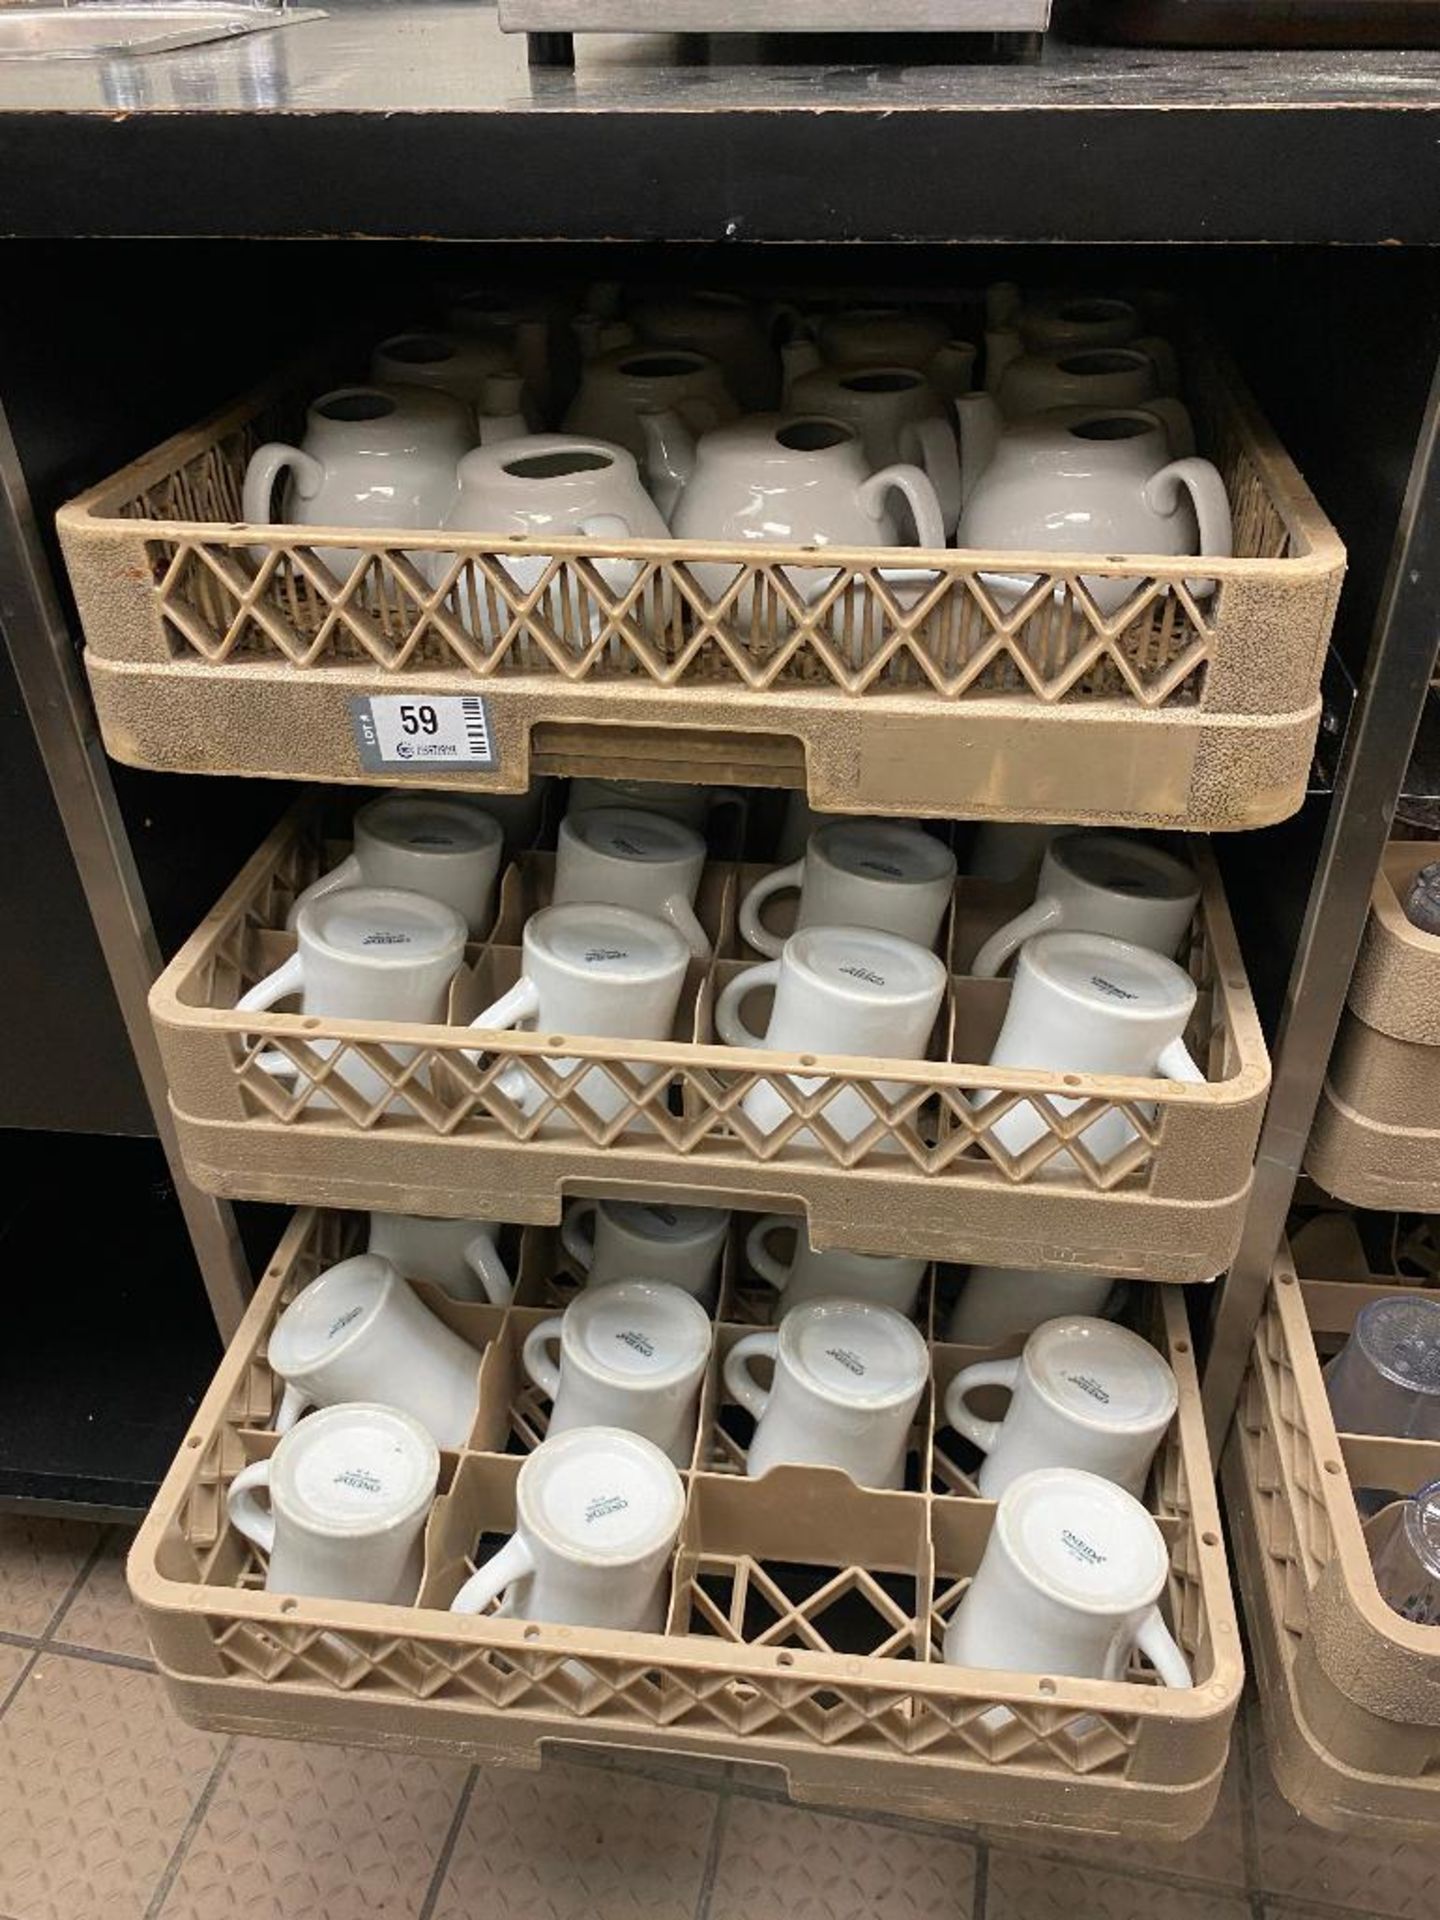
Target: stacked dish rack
<point x="805" y="1613"/>
<point x="804" y="1619"/>
<point x="1376" y="1140"/>
<point x="1350" y="1690"/>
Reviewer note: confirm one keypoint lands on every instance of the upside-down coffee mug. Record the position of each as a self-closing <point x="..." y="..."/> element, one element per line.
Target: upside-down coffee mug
<point x="459" y="1255"/>
<point x="1102" y="883"/>
<point x="358" y="1332"/>
<point x="348" y="1491"/>
<point x="1068" y="1583"/>
<point x="597" y="971"/>
<point x="1084" y="1393"/>
<point x="1084" y="1003"/>
<point x="613" y="1240"/>
<point x="365" y="953"/>
<point x="632" y="1355"/>
<point x="597" y="1512"/>
<point x="448" y="850"/>
<point x="860" y="873"/>
<point x="624" y="857"/>
<point x="838" y="990"/>
<point x="997" y="1303"/>
<point x="886" y="1279"/>
<point x="848" y="1376"/>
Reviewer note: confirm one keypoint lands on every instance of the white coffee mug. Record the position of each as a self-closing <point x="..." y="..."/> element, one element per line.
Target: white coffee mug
<point x="346" y="1495"/>
<point x="624" y="857"/>
<point x="887" y="1279"/>
<point x="358" y="1332"/>
<point x="860" y="873"/>
<point x="1068" y="1584"/>
<point x="597" y="1513"/>
<point x="1084" y="1393"/>
<point x="996" y="1303"/>
<point x="596" y="971"/>
<point x="1084" y="1003"/>
<point x="1102" y="883"/>
<point x="366" y="953"/>
<point x="847" y="1379"/>
<point x="690" y="805"/>
<point x="632" y="1355"/>
<point x="448" y="850"/>
<point x="459" y="1255"/>
<point x="838" y="990"/>
<point x="613" y="1240"/>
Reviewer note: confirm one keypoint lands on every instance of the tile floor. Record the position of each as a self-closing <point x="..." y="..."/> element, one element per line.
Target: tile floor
<point x="110" y="1806"/>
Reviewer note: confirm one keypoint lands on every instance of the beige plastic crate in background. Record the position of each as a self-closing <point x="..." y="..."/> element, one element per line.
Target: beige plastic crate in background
<point x="1350" y="1691"/>
<point x="915" y="694"/>
<point x="926" y="1178"/>
<point x="782" y="1646"/>
<point x="1376" y="1137"/>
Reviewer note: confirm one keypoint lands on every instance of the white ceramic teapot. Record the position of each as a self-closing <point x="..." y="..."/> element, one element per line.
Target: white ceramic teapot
<point x="725" y="327"/>
<point x="882" y="336"/>
<point x="896" y="411"/>
<point x="1078" y="481"/>
<point x="523" y="327"/>
<point x="549" y="485"/>
<point x="450" y="362"/>
<point x="617" y="387"/>
<point x="1026" y="383"/>
<point x="372" y="456"/>
<point x="792" y="480"/>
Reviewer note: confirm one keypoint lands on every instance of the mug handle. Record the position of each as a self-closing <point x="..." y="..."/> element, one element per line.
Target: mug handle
<point x="728" y="1024"/>
<point x="517" y="1003"/>
<point x="1175" y="1063"/>
<point x="482" y="1257"/>
<point x="1157" y="1643"/>
<point x="338" y="878"/>
<point x="1040" y="914"/>
<point x="537" y="1362"/>
<point x="1162" y="358"/>
<point x="513" y="1562"/>
<point x="267" y="463"/>
<point x="938" y="456"/>
<point x="682" y="916"/>
<point x="1175" y="418"/>
<point x="916" y="486"/>
<point x="1211" y="502"/>
<point x="760" y="1256"/>
<point x="287" y="978"/>
<point x="293" y="1402"/>
<point x="738" y="1377"/>
<point x="246" y="1513"/>
<point x="782" y="880"/>
<point x="984" y="1373"/>
<point x="577" y="1242"/>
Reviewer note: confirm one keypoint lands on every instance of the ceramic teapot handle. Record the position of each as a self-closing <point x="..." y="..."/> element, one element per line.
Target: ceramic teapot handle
<point x="1207" y="493"/>
<point x="917" y="489"/>
<point x="937" y="451"/>
<point x="267" y="463"/>
<point x="1162" y="358"/>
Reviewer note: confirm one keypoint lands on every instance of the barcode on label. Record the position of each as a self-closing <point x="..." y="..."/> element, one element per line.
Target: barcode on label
<point x="401" y="732"/>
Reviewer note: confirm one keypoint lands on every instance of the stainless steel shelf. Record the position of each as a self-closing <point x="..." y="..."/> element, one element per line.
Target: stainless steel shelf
<point x="423" y="118"/>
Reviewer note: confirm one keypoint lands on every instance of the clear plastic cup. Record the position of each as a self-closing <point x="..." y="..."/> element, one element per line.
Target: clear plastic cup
<point x="1386" y="1378"/>
<point x="1404" y="1543"/>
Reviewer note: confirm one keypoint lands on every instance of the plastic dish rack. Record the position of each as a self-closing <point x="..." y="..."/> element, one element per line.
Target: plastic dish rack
<point x="926" y="1177"/>
<point x="779" y="1648"/>
<point x="1349" y="1690"/>
<point x="217" y="647"/>
<point x="1376" y="1137"/>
